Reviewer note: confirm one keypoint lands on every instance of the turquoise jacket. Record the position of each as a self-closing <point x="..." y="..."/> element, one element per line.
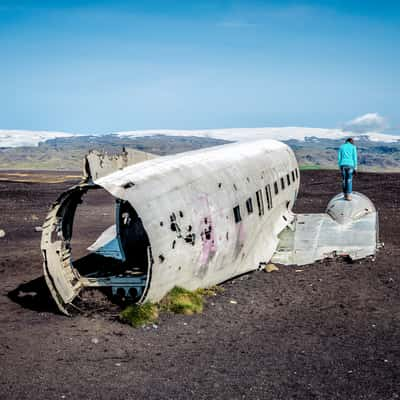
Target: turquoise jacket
<point x="347" y="155"/>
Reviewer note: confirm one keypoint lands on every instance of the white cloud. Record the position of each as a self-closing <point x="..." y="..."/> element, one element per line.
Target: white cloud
<point x="371" y="122"/>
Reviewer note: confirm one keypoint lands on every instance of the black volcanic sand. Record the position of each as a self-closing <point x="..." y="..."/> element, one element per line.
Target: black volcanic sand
<point x="331" y="331"/>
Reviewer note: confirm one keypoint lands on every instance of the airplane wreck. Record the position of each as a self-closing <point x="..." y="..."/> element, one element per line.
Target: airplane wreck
<point x="196" y="219"/>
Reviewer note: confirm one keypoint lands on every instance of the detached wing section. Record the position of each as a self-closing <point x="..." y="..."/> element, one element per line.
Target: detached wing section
<point x="347" y="228"/>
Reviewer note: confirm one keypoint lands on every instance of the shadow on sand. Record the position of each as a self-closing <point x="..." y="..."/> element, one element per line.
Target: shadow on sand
<point x="35" y="296"/>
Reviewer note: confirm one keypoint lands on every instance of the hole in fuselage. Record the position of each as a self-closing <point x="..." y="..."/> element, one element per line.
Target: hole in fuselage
<point x="109" y="244"/>
<point x="94" y="214"/>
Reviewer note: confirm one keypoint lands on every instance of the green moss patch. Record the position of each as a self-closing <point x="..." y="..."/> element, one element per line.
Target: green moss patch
<point x="140" y="314"/>
<point x="182" y="301"/>
<point x="177" y="301"/>
<point x="211" y="291"/>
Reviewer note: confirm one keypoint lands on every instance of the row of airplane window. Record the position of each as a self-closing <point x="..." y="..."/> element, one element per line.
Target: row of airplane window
<point x="259" y="196"/>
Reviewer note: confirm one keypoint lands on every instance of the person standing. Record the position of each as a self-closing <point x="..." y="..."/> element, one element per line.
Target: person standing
<point x="347" y="160"/>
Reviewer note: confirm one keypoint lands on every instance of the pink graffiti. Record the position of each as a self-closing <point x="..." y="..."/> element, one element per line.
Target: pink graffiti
<point x="241" y="233"/>
<point x="209" y="246"/>
<point x="207" y="229"/>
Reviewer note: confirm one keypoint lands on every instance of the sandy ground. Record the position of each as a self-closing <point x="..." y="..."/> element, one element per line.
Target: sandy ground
<point x="37" y="176"/>
<point x="331" y="331"/>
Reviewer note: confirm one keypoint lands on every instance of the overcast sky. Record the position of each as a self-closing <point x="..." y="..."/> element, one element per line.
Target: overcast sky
<point x="98" y="66"/>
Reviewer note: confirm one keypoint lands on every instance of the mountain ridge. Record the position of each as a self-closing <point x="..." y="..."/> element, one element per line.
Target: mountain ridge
<point x="18" y="138"/>
<point x="66" y="152"/>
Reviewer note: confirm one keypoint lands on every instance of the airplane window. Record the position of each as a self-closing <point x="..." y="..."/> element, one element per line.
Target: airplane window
<point x="276" y="187"/>
<point x="260" y="202"/>
<point x="288" y="179"/>
<point x="297" y="173"/>
<point x="269" y="196"/>
<point x="282" y="183"/>
<point x="249" y="205"/>
<point x="293" y="178"/>
<point x="236" y="213"/>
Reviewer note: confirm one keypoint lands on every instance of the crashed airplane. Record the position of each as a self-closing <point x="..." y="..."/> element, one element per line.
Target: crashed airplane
<point x="197" y="219"/>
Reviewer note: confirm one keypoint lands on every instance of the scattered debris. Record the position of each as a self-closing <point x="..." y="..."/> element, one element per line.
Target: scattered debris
<point x="38" y="229"/>
<point x="271" y="268"/>
<point x="233" y="301"/>
<point x="298" y="270"/>
<point x="95" y="340"/>
<point x="2" y="233"/>
<point x="34" y="217"/>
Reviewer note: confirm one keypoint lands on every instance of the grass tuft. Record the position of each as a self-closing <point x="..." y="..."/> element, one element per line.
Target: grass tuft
<point x="211" y="291"/>
<point x="182" y="301"/>
<point x="139" y="314"/>
<point x="178" y="301"/>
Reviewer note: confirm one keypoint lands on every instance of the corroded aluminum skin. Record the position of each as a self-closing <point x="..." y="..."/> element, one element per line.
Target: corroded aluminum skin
<point x="346" y="229"/>
<point x="186" y="205"/>
<point x="99" y="163"/>
<point x="196" y="191"/>
<point x="62" y="280"/>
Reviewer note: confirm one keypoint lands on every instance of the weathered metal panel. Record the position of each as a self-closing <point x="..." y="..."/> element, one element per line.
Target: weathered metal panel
<point x="99" y="163"/>
<point x="186" y="205"/>
<point x="348" y="228"/>
<point x="62" y="280"/>
<point x="108" y="244"/>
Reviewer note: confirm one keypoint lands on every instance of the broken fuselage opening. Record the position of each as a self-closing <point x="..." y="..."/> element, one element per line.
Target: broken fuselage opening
<point x="79" y="252"/>
<point x="119" y="258"/>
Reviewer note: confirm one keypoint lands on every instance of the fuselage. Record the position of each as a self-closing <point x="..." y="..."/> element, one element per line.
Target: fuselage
<point x="210" y="214"/>
<point x="202" y="217"/>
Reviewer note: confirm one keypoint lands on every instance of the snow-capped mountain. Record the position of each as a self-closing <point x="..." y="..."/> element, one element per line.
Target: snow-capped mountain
<point x="19" y="138"/>
<point x="278" y="133"/>
<point x="314" y="147"/>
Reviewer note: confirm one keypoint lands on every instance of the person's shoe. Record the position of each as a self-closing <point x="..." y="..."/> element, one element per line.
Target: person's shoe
<point x="347" y="197"/>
